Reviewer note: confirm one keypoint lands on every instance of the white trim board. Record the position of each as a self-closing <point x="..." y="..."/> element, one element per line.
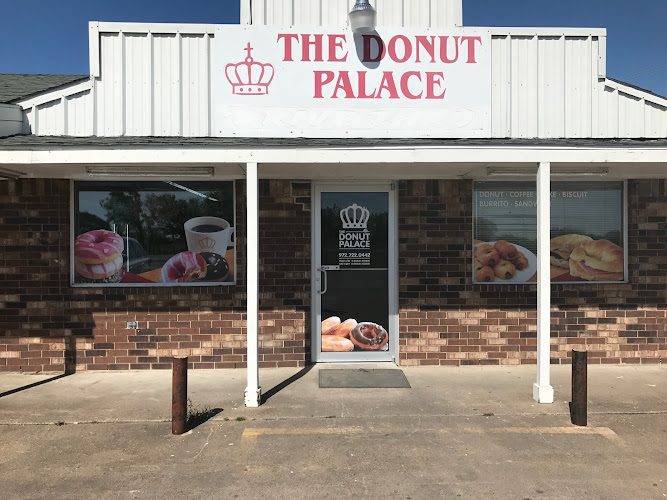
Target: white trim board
<point x="290" y="155"/>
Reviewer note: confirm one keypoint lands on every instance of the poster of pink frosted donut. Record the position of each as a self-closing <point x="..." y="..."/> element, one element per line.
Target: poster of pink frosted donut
<point x="158" y="233"/>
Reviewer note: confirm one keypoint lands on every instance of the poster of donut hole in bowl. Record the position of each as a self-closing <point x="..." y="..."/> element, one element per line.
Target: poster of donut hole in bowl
<point x="351" y="335"/>
<point x="154" y="233"/>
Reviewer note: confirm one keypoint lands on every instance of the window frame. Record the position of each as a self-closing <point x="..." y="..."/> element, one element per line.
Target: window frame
<point x="73" y="205"/>
<point x="624" y="218"/>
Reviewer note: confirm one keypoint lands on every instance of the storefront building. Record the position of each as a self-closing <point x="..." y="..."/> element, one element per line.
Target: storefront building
<point x="284" y="191"/>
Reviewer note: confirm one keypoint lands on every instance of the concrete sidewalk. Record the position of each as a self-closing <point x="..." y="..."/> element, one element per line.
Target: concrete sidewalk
<point x="471" y="432"/>
<point x="294" y="393"/>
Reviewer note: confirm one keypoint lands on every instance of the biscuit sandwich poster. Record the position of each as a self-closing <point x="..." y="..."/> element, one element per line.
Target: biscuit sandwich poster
<point x="587" y="232"/>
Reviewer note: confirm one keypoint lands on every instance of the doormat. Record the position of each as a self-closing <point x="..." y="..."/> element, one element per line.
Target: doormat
<point x="362" y="378"/>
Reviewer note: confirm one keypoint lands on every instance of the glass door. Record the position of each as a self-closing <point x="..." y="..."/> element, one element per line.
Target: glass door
<point x="355" y="315"/>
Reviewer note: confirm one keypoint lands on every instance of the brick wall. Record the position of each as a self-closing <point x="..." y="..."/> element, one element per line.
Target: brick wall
<point x="284" y="272"/>
<point x="45" y="324"/>
<point x="446" y="320"/>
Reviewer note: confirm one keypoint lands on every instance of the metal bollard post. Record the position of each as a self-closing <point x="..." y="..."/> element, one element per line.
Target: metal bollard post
<point x="579" y="403"/>
<point x="179" y="395"/>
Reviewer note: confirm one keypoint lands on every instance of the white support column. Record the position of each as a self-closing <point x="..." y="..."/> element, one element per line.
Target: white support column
<point x="542" y="390"/>
<point x="253" y="391"/>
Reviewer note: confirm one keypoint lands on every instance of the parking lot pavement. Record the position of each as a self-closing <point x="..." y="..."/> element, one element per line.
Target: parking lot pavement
<point x="456" y="433"/>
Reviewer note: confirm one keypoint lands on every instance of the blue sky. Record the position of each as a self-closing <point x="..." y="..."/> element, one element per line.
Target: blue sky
<point x="51" y="36"/>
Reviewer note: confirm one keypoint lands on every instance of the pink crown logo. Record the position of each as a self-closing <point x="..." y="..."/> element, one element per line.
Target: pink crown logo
<point x="249" y="77"/>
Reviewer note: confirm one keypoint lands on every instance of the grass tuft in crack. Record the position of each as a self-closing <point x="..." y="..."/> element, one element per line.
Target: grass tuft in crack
<point x="198" y="414"/>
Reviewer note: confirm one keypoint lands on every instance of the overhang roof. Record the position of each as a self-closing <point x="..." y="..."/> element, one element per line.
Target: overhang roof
<point x="305" y="158"/>
<point x="15" y="86"/>
<point x="35" y="142"/>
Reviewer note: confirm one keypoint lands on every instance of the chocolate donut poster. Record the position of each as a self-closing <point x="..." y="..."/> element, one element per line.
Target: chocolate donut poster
<point x="587" y="232"/>
<point x="157" y="233"/>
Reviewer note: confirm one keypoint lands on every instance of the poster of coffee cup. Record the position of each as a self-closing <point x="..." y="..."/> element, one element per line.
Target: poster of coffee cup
<point x="208" y="234"/>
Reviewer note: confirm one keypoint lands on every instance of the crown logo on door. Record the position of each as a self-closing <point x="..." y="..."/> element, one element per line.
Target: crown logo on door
<point x="355" y="217"/>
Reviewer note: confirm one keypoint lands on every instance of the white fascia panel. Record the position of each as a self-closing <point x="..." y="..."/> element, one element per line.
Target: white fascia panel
<point x="156" y="28"/>
<point x="55" y="95"/>
<point x="626" y="89"/>
<point x="516" y="31"/>
<point x="94" y="48"/>
<point x="451" y="154"/>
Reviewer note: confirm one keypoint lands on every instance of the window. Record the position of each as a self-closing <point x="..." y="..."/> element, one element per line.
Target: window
<point x="587" y="232"/>
<point x="153" y="233"/>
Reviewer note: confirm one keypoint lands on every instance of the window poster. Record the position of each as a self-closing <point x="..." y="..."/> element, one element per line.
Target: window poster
<point x="153" y="233"/>
<point x="354" y="244"/>
<point x="587" y="233"/>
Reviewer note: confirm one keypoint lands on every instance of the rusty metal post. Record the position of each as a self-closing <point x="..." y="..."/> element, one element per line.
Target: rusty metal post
<point x="579" y="403"/>
<point x="179" y="395"/>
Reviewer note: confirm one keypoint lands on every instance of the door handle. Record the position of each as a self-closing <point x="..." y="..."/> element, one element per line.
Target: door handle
<point x="325" y="280"/>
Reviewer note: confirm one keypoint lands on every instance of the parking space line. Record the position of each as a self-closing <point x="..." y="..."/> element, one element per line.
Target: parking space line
<point x="250" y="434"/>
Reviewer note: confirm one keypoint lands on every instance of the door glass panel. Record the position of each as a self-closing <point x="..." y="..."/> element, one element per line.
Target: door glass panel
<point x="354" y="229"/>
<point x="354" y="259"/>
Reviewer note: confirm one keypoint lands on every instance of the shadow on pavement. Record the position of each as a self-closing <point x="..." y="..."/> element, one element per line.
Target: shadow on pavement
<point x="35" y="384"/>
<point x="198" y="418"/>
<point x="274" y="390"/>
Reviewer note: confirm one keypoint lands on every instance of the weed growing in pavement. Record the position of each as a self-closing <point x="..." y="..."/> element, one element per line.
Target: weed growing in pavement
<point x="198" y="414"/>
<point x="240" y="419"/>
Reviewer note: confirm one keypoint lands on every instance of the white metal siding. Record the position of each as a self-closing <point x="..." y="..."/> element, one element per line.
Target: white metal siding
<point x="196" y="85"/>
<point x="137" y="84"/>
<point x="550" y="62"/>
<point x="579" y="54"/>
<point x="154" y="84"/>
<point x="656" y="123"/>
<point x="79" y="114"/>
<point x="166" y="96"/>
<point x="157" y="80"/>
<point x="544" y="85"/>
<point x="51" y="119"/>
<point x="391" y="13"/>
<point x="109" y="95"/>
